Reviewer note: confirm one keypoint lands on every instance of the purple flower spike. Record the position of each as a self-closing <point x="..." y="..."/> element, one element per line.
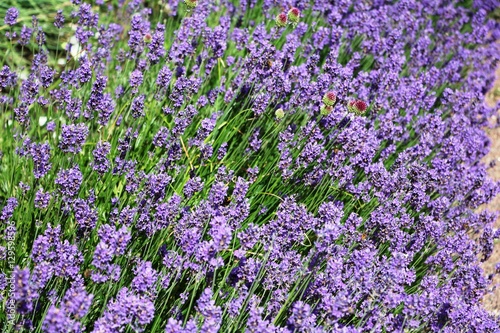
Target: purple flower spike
<point x="127" y="308"/>
<point x="59" y="20"/>
<point x="42" y="199"/>
<point x="8" y="209"/>
<point x="73" y="137"/>
<point x="11" y="16"/>
<point x="136" y="79"/>
<point x="69" y="181"/>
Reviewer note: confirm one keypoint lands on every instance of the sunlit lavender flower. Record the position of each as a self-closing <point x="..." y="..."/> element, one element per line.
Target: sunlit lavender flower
<point x="112" y="243"/>
<point x="77" y="301"/>
<point x="59" y="19"/>
<point x="145" y="278"/>
<point x="67" y="260"/>
<point x="101" y="163"/>
<point x="56" y="321"/>
<point x="192" y="186"/>
<point x="137" y="106"/>
<point x="8" y="209"/>
<point x="25" y="293"/>
<point x="40" y="37"/>
<point x="73" y="137"/>
<point x="84" y="71"/>
<point x="156" y="46"/>
<point x="8" y="78"/>
<point x="164" y="77"/>
<point x="42" y="199"/>
<point x="127" y="308"/>
<point x="302" y="319"/>
<point x="211" y="314"/>
<point x="11" y="16"/>
<point x="85" y="215"/>
<point x="74" y="306"/>
<point x="69" y="181"/>
<point x="100" y="101"/>
<point x="135" y="79"/>
<point x="51" y="126"/>
<point x="21" y="114"/>
<point x="40" y="153"/>
<point x="86" y="17"/>
<point x="25" y="36"/>
<point x="46" y="76"/>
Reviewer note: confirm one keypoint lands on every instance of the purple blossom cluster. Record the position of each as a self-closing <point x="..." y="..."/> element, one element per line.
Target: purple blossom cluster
<point x="112" y="243"/>
<point x="127" y="309"/>
<point x="73" y="137"/>
<point x="69" y="181"/>
<point x="74" y="305"/>
<point x="267" y="166"/>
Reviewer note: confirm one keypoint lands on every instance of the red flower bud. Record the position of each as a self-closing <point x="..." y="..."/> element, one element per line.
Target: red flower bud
<point x="294" y="15"/>
<point x="147" y="38"/>
<point x="357" y="106"/>
<point x="329" y="98"/>
<point x="281" y="20"/>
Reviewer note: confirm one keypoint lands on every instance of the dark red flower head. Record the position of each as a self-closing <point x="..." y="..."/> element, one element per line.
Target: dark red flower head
<point x="281" y="20"/>
<point x="360" y="106"/>
<point x="147" y="38"/>
<point x="357" y="106"/>
<point x="330" y="98"/>
<point x="294" y="15"/>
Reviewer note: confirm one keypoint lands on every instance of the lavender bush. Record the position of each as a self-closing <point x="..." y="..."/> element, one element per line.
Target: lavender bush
<point x="247" y="166"/>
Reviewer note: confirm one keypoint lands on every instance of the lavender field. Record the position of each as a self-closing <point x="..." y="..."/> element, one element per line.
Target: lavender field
<point x="246" y="165"/>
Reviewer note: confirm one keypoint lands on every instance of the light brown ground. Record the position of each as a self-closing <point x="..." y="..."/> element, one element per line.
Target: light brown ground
<point x="492" y="301"/>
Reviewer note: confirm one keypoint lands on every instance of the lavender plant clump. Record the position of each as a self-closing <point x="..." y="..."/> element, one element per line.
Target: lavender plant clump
<point x="251" y="166"/>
